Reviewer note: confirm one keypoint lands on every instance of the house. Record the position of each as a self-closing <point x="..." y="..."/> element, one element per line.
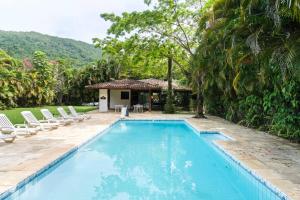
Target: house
<point x="146" y="92"/>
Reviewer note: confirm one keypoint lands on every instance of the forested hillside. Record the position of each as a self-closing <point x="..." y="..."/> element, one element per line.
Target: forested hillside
<point x="23" y="44"/>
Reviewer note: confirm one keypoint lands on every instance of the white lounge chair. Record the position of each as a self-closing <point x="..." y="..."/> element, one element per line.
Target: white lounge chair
<point x="75" y="114"/>
<point x="49" y="116"/>
<point x="32" y="121"/>
<point x="64" y="115"/>
<point x="6" y="127"/>
<point x="8" y="138"/>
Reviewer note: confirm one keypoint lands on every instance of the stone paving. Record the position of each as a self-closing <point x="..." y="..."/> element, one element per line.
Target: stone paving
<point x="274" y="159"/>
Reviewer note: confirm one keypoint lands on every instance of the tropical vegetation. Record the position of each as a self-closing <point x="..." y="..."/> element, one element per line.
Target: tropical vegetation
<point x="248" y="59"/>
<point x="47" y="82"/>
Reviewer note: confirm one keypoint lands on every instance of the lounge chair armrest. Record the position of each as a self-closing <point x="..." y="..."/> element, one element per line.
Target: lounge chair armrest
<point x="21" y="125"/>
<point x="5" y="127"/>
<point x="44" y="121"/>
<point x="34" y="124"/>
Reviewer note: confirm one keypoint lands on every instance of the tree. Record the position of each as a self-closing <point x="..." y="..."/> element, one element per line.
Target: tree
<point x="63" y="74"/>
<point x="12" y="80"/>
<point x="136" y="57"/>
<point x="169" y="22"/>
<point x="97" y="72"/>
<point x="43" y="74"/>
<point x="169" y="107"/>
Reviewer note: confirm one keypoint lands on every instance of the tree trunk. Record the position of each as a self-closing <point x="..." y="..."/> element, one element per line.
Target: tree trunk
<point x="199" y="108"/>
<point x="169" y="106"/>
<point x="59" y="98"/>
<point x="170" y="75"/>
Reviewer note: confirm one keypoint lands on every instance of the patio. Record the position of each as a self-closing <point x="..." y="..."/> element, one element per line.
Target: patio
<point x="273" y="158"/>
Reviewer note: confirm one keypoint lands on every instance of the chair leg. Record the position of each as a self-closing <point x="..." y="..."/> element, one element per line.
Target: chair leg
<point x="9" y="140"/>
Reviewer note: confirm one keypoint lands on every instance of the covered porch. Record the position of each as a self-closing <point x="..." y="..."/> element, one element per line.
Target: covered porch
<point x="137" y="95"/>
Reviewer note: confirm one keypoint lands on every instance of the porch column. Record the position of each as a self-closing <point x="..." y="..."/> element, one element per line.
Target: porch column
<point x="150" y="101"/>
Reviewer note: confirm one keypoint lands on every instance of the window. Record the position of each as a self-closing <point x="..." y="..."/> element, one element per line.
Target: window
<point x="124" y="95"/>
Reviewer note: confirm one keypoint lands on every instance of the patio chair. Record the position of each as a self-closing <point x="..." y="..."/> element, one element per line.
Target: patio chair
<point x="32" y="121"/>
<point x="64" y="115"/>
<point x="6" y="127"/>
<point x="118" y="108"/>
<point x="8" y="138"/>
<point x="138" y="108"/>
<point x="75" y="114"/>
<point x="49" y="116"/>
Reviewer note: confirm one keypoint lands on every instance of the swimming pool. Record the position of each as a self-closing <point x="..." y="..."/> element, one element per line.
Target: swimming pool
<point x="147" y="160"/>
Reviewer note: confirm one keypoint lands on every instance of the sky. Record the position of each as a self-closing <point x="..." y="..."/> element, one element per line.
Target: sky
<point x="75" y="19"/>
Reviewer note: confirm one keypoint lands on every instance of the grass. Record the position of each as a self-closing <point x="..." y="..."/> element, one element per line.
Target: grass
<point x="15" y="116"/>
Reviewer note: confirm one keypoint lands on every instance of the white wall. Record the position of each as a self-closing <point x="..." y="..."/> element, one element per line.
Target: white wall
<point x="103" y="107"/>
<point x="115" y="98"/>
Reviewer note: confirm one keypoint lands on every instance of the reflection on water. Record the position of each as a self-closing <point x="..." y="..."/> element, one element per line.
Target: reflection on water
<point x="188" y="164"/>
<point x="123" y="126"/>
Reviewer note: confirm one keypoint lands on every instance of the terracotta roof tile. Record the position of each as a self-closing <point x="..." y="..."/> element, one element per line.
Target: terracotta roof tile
<point x="123" y="84"/>
<point x="145" y="84"/>
<point x="164" y="84"/>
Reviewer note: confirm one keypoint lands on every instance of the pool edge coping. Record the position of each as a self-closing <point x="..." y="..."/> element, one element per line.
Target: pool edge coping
<point x="252" y="172"/>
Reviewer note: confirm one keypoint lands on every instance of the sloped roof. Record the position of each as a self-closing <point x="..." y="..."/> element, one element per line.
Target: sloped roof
<point x="123" y="84"/>
<point x="145" y="84"/>
<point x="164" y="84"/>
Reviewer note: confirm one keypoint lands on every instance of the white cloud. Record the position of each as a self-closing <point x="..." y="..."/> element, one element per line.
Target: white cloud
<point x="76" y="19"/>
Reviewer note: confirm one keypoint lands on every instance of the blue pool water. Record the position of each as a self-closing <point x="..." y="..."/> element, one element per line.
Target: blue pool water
<point x="147" y="160"/>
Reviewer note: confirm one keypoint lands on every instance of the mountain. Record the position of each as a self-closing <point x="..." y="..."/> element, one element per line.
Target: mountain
<point x="23" y="44"/>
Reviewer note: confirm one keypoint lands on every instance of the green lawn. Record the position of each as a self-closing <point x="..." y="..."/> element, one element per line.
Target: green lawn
<point x="15" y="116"/>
